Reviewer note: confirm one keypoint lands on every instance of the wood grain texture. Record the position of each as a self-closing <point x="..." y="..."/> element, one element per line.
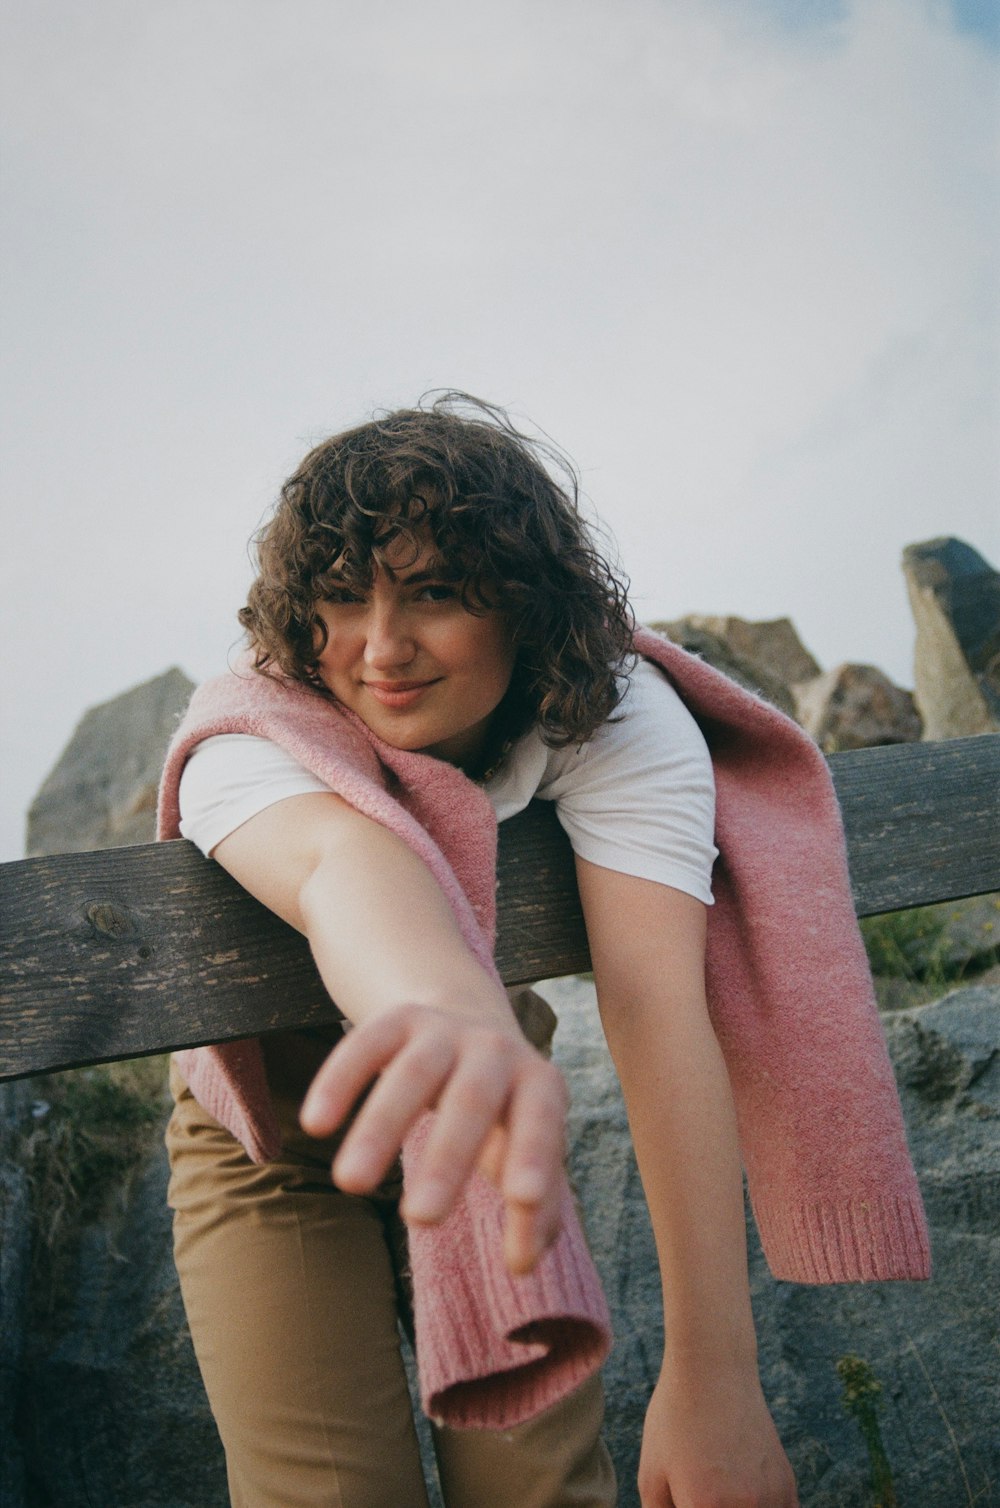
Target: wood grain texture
<point x="130" y="951"/>
<point x="922" y="821"/>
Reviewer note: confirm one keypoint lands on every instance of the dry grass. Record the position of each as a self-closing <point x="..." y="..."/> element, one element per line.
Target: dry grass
<point x="92" y="1129"/>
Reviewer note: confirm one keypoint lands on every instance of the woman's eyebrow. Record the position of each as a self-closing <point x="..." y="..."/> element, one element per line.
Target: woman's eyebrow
<point x="428" y="573"/>
<point x="431" y="570"/>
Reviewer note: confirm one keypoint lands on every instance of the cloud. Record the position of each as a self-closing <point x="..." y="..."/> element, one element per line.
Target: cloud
<point x="737" y="258"/>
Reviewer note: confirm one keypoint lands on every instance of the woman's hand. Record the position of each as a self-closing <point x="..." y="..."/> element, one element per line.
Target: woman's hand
<point x="709" y="1442"/>
<point x="501" y="1108"/>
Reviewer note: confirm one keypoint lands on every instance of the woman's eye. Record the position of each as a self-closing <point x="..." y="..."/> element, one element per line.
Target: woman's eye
<point x="437" y="592"/>
<point x="341" y="595"/>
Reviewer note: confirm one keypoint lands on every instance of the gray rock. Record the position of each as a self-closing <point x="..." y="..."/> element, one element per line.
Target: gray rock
<point x="732" y="653"/>
<point x="855" y="707"/>
<point x="955" y="597"/>
<point x="771" y="644"/>
<point x="102" y="791"/>
<point x="111" y="1407"/>
<point x="932" y="1346"/>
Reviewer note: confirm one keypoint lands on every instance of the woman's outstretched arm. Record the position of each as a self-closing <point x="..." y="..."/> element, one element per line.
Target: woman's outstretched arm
<point x="430" y="1024"/>
<point x="709" y="1438"/>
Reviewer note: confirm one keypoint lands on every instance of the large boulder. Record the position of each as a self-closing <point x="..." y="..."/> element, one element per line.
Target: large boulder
<point x="767" y="656"/>
<point x="102" y="791"/>
<point x="955" y="597"/>
<point x="855" y="707"/>
<point x="771" y="643"/>
<point x="931" y="1346"/>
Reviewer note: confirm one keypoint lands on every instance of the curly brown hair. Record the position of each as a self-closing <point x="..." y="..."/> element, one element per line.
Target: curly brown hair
<point x="508" y="533"/>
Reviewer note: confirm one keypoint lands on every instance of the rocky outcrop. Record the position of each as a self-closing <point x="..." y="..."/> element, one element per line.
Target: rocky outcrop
<point x="955" y="597"/>
<point x="850" y="707"/>
<point x="767" y="657"/>
<point x="771" y="644"/>
<point x="855" y="707"/>
<point x="102" y="791"/>
<point x="932" y="1346"/>
<point x="102" y="1403"/>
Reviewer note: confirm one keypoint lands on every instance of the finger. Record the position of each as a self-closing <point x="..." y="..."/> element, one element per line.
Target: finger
<point x="410" y="1084"/>
<point x="522" y="1241"/>
<point x="493" y="1155"/>
<point x="536" y="1147"/>
<point x="350" y="1068"/>
<point x="470" y="1107"/>
<point x="533" y="1178"/>
<point x="529" y="1229"/>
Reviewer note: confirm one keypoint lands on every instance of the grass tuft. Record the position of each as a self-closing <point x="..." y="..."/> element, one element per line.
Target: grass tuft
<point x="862" y="1398"/>
<point x="917" y="955"/>
<point x="92" y="1129"/>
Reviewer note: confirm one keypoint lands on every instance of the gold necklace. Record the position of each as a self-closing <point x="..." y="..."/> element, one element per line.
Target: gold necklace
<point x="488" y="774"/>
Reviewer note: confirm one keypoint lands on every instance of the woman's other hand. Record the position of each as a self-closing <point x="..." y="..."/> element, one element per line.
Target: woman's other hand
<point x="500" y="1107"/>
<point x="709" y="1442"/>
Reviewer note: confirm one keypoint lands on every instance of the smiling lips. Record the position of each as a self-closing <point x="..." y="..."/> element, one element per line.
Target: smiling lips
<point x="398" y="693"/>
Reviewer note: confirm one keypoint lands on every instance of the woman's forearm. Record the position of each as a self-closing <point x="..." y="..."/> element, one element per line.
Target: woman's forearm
<point x="647" y="944"/>
<point x="383" y="934"/>
<point x="380" y="928"/>
<point x="683" y="1127"/>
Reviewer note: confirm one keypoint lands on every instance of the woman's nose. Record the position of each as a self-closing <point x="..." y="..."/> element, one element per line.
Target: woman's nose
<point x="388" y="640"/>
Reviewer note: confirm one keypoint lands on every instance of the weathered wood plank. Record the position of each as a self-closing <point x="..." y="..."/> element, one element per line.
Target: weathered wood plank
<point x="922" y="821"/>
<point x="138" y="950"/>
<point x="540" y="931"/>
<point x="130" y="950"/>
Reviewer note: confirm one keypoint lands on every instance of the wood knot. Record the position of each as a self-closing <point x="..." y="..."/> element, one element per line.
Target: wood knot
<point x="110" y="920"/>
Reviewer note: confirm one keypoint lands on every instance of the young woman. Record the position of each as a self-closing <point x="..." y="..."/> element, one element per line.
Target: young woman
<point x="434" y="639"/>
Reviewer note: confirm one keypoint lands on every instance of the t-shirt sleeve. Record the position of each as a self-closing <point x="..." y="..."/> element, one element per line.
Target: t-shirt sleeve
<point x="231" y="777"/>
<point x="639" y="797"/>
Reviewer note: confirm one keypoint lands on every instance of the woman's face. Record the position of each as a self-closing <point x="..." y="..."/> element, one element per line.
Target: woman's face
<point x="420" y="671"/>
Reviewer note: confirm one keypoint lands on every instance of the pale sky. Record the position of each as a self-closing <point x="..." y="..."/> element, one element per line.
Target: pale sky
<point x="739" y="257"/>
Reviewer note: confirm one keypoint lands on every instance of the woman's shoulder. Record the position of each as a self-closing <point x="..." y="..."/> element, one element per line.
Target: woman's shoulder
<point x="230" y="777"/>
<point x="651" y="729"/>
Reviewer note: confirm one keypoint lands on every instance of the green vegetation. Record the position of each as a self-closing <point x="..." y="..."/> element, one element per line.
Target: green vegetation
<point x="913" y="944"/>
<point x="862" y="1398"/>
<point x="918" y="955"/>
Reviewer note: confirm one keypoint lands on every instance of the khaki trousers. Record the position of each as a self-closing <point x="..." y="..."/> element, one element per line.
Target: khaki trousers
<point x="294" y="1293"/>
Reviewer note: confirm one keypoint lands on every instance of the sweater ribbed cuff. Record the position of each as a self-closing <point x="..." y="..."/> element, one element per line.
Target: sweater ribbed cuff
<point x="863" y="1240"/>
<point x="494" y="1349"/>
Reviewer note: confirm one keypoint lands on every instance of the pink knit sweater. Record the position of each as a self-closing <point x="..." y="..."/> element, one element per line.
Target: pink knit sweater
<point x="830" y="1179"/>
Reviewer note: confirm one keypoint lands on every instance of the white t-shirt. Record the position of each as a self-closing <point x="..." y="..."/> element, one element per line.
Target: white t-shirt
<point x="638" y="797"/>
